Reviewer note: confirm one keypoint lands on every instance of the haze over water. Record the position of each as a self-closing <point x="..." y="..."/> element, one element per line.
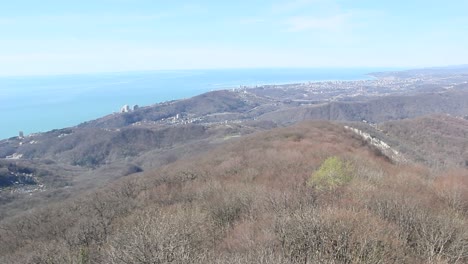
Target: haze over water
<point x="43" y="103"/>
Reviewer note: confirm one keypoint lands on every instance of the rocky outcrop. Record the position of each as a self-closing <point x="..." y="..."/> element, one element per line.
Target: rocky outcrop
<point x="388" y="151"/>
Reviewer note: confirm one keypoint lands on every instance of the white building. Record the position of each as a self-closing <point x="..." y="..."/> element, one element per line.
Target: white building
<point x="125" y="109"/>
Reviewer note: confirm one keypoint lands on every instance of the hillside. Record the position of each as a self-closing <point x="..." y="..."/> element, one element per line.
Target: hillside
<point x="377" y="110"/>
<point x="439" y="140"/>
<point x="310" y="193"/>
<point x="65" y="162"/>
<point x="233" y="132"/>
<point x="233" y="176"/>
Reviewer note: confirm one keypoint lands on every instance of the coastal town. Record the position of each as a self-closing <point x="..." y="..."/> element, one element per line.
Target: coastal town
<point x="352" y="90"/>
<point x="279" y="96"/>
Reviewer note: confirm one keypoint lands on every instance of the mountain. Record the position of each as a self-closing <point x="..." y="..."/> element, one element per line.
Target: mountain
<point x="242" y="175"/>
<point x="66" y="161"/>
<point x="377" y="110"/>
<point x="314" y="191"/>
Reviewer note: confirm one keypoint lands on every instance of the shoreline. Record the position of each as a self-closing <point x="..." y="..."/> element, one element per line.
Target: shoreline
<point x="26" y="87"/>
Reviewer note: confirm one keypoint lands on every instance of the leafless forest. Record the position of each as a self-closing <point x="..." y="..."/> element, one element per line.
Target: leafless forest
<point x="256" y="200"/>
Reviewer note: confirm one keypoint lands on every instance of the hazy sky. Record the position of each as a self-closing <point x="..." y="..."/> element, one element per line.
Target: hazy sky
<point x="65" y="36"/>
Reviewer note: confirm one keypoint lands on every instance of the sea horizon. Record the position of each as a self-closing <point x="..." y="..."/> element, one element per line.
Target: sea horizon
<point x="35" y="104"/>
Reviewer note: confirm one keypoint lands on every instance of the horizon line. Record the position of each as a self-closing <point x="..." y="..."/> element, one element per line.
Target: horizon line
<point x="384" y="68"/>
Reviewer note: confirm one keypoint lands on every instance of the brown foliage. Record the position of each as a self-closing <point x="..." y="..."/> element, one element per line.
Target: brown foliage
<point x="248" y="202"/>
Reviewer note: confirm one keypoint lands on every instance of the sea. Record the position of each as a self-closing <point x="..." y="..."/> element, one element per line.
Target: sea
<point x="41" y="103"/>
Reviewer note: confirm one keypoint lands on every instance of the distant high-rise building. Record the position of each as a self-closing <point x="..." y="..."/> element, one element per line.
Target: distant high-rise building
<point x="21" y="134"/>
<point x="125" y="109"/>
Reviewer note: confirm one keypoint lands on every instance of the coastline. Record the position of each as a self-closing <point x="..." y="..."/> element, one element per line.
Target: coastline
<point x="72" y="98"/>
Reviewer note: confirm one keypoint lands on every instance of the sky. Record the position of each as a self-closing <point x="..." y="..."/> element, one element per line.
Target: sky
<point x="50" y="37"/>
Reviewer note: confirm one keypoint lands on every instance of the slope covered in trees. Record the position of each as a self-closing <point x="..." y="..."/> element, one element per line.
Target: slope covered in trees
<point x="439" y="140"/>
<point x="257" y="200"/>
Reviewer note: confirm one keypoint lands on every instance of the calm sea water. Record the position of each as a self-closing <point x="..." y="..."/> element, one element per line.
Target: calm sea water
<point x="38" y="104"/>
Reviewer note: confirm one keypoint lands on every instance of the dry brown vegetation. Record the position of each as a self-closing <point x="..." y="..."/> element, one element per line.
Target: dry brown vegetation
<point x="438" y="140"/>
<point x="249" y="202"/>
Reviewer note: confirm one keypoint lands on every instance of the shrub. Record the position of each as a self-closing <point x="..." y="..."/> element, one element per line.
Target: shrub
<point x="337" y="236"/>
<point x="159" y="237"/>
<point x="226" y="206"/>
<point x="453" y="188"/>
<point x="434" y="236"/>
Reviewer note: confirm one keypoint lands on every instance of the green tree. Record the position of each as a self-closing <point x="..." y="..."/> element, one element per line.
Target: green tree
<point x="332" y="173"/>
